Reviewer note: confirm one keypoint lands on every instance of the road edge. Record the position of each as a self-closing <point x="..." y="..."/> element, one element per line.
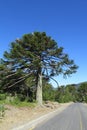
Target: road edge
<point x="30" y="125"/>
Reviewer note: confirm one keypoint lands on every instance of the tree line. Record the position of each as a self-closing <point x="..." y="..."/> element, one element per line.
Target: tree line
<point x="73" y="92"/>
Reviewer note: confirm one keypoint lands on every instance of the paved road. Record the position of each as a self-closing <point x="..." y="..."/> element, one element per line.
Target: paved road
<point x="72" y="118"/>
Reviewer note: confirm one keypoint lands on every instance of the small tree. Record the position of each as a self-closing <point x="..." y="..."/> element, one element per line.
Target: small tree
<point x="38" y="54"/>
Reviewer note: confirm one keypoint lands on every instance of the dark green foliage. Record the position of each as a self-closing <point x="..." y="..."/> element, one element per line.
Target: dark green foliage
<point x="82" y="92"/>
<point x="72" y="93"/>
<point x="48" y="92"/>
<point x="60" y="94"/>
<point x="34" y="51"/>
<point x="2" y="96"/>
<point x="66" y="94"/>
<point x="32" y="57"/>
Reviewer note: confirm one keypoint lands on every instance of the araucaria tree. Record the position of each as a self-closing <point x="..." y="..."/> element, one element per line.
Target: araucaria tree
<point x="39" y="55"/>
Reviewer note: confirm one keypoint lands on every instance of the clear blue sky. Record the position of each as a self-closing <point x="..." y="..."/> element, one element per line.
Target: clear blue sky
<point x="63" y="20"/>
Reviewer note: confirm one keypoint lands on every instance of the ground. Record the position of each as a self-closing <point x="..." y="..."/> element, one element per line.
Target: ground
<point x="17" y="116"/>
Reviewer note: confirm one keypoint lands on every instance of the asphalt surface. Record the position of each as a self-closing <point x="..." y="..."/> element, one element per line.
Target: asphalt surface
<point x="72" y="118"/>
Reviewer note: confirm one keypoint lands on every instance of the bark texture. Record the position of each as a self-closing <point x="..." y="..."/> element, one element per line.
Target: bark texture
<point x="39" y="90"/>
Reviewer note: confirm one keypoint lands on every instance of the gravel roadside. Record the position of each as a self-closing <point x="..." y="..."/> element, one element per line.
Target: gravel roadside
<point x="19" y="117"/>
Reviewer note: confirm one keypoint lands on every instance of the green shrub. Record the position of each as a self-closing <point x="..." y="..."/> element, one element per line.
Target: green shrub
<point x="2" y="111"/>
<point x="2" y="96"/>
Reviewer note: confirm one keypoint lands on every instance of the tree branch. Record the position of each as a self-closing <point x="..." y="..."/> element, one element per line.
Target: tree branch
<point x="21" y="79"/>
<point x="55" y="81"/>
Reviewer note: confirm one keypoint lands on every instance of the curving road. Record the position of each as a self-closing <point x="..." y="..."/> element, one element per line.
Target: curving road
<point x="72" y="118"/>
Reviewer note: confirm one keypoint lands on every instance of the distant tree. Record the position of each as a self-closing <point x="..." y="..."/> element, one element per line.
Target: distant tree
<point x="60" y="92"/>
<point x="66" y="93"/>
<point x="73" y="91"/>
<point x="39" y="55"/>
<point x="48" y="92"/>
<point x="82" y="92"/>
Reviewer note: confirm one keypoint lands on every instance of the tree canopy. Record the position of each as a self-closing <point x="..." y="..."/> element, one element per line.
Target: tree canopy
<point x="36" y="55"/>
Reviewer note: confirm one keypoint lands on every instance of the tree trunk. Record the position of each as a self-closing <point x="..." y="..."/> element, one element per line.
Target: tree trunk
<point x="39" y="90"/>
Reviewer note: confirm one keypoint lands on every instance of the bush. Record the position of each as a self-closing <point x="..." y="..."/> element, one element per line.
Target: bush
<point x="2" y="96"/>
<point x="2" y="111"/>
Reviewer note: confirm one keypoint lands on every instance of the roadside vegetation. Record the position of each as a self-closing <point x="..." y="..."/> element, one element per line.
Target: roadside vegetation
<point x="62" y="94"/>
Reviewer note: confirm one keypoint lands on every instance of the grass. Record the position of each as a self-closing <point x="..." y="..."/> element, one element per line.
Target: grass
<point x="2" y="102"/>
<point x="23" y="104"/>
<point x="16" y="102"/>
